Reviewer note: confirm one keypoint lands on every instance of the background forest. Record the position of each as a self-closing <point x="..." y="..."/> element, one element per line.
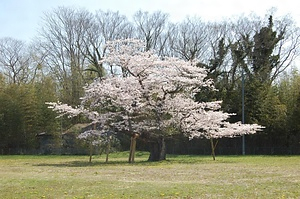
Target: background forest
<point x="250" y="52"/>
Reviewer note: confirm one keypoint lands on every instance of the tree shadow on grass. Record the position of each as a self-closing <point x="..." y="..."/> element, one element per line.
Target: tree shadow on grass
<point x="83" y="163"/>
<point x="140" y="160"/>
<point x="117" y="160"/>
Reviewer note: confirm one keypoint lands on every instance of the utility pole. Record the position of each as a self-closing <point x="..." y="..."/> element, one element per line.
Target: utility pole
<point x="243" y="110"/>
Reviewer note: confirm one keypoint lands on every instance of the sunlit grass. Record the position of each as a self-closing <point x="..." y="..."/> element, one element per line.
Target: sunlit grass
<point x="177" y="177"/>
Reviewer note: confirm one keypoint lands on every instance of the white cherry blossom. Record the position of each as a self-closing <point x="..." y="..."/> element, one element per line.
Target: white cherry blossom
<point x="143" y="93"/>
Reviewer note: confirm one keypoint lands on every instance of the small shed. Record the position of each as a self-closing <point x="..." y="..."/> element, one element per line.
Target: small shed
<point x="70" y="143"/>
<point x="47" y="143"/>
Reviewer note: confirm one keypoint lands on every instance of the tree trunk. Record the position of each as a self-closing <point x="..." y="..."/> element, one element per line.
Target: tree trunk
<point x="132" y="147"/>
<point x="157" y="150"/>
<point x="213" y="147"/>
<point x="108" y="148"/>
<point x="91" y="152"/>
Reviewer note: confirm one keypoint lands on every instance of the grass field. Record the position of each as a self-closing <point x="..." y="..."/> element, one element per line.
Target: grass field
<point x="177" y="177"/>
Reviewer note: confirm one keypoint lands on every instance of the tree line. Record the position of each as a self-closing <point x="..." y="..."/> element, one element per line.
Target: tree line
<point x="65" y="55"/>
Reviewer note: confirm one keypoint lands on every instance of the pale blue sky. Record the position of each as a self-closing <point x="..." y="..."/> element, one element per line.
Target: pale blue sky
<point x="20" y="19"/>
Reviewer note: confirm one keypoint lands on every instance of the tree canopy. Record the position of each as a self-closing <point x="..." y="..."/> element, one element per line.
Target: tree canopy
<point x="153" y="97"/>
<point x="73" y="47"/>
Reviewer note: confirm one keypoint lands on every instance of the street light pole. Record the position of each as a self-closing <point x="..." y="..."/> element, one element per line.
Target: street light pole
<point x="243" y="110"/>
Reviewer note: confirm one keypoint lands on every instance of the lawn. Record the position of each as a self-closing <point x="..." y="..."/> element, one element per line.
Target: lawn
<point x="177" y="177"/>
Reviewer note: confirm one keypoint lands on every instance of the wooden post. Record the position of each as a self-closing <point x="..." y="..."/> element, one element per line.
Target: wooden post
<point x="130" y="150"/>
<point x="108" y="148"/>
<point x="132" y="147"/>
<point x="91" y="152"/>
<point x="213" y="147"/>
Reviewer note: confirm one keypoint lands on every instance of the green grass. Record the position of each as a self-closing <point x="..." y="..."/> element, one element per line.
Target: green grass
<point x="177" y="177"/>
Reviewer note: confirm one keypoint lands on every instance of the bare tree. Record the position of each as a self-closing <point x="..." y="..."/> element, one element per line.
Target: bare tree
<point x="165" y="41"/>
<point x="15" y="61"/>
<point x="190" y="39"/>
<point x="62" y="38"/>
<point x="113" y="25"/>
<point x="288" y="47"/>
<point x="107" y="26"/>
<point x="281" y="33"/>
<point x="149" y="27"/>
